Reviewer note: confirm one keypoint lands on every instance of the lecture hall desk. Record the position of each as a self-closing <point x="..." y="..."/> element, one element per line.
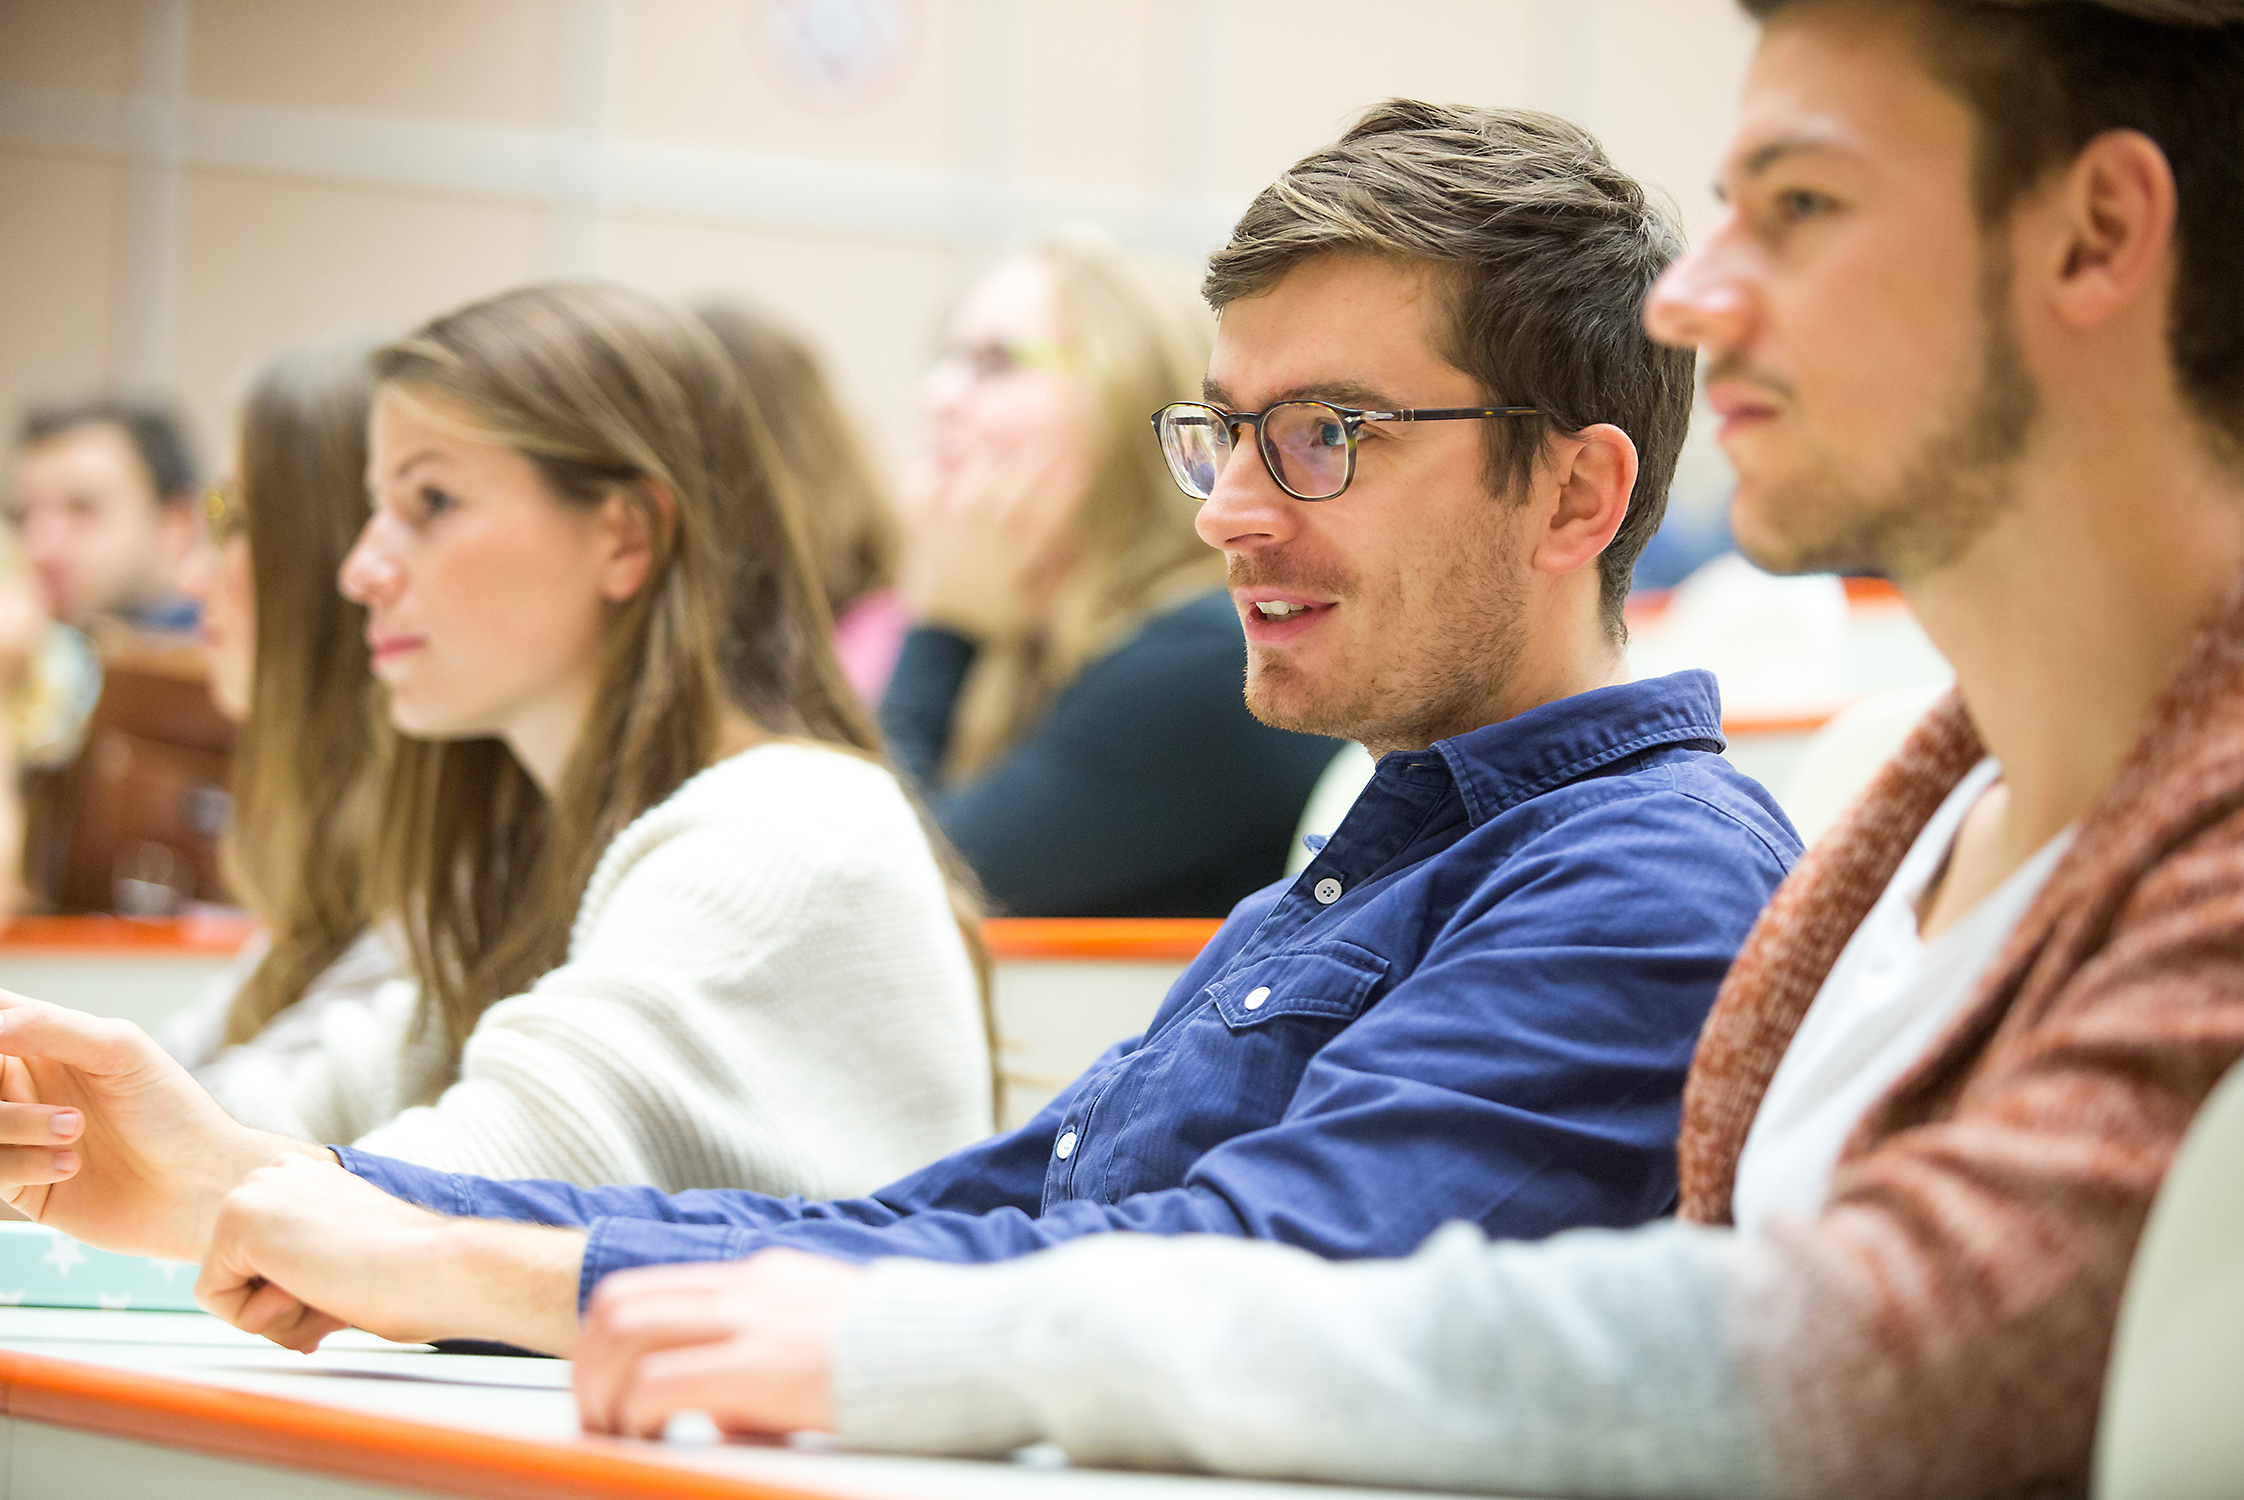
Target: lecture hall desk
<point x="180" y="1406"/>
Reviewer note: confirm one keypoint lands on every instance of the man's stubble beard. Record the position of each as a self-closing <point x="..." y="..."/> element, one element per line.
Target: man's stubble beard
<point x="1432" y="679"/>
<point x="1959" y="482"/>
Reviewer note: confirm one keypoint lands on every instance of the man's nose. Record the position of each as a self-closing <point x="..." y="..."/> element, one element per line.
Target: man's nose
<point x="1246" y="511"/>
<point x="1704" y="300"/>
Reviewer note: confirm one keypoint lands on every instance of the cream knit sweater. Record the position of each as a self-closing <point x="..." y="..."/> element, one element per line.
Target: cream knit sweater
<point x="764" y="989"/>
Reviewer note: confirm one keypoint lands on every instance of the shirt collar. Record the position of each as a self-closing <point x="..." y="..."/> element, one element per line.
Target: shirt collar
<point x="1498" y="766"/>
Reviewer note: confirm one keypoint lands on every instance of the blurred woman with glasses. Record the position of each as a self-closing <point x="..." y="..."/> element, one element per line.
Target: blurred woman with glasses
<point x="1070" y="697"/>
<point x="305" y="760"/>
<point x="668" y="917"/>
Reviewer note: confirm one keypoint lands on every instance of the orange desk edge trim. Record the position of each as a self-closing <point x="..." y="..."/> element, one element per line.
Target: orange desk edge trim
<point x="290" y="1434"/>
<point x="1008" y="937"/>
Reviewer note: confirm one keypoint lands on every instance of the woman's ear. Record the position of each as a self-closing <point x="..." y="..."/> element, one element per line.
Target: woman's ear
<point x="627" y="521"/>
<point x="1593" y="474"/>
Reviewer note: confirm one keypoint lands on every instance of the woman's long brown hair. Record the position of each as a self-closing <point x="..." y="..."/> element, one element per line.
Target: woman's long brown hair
<point x="609" y="393"/>
<point x="848" y="512"/>
<point x="305" y="759"/>
<point x="1136" y="344"/>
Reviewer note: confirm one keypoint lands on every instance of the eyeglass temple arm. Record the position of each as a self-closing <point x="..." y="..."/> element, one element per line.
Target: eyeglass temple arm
<point x="1447" y="413"/>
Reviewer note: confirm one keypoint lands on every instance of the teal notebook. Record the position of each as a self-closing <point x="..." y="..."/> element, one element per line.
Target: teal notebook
<point x="41" y="1268"/>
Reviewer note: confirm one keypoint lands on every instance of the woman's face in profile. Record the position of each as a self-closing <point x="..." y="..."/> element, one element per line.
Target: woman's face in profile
<point x="217" y="577"/>
<point x="1003" y="390"/>
<point x="486" y="595"/>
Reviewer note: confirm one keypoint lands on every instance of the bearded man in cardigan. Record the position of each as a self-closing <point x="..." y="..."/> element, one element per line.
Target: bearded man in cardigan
<point x="1974" y="319"/>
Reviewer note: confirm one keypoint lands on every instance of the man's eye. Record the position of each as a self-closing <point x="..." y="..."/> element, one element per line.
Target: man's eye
<point x="1795" y="204"/>
<point x="1331" y="435"/>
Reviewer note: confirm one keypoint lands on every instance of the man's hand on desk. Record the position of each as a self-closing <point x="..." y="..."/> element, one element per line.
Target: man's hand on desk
<point x="749" y="1342"/>
<point x="304" y="1248"/>
<point x="106" y="1138"/>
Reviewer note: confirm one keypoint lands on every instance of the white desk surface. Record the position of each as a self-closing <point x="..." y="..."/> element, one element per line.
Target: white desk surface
<point x="478" y="1425"/>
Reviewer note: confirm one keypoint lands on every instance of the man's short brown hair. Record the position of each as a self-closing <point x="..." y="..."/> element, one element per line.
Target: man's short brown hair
<point x="2044" y="77"/>
<point x="1548" y="250"/>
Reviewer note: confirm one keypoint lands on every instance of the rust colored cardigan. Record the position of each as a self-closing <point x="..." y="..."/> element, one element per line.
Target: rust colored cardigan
<point x="1944" y="1324"/>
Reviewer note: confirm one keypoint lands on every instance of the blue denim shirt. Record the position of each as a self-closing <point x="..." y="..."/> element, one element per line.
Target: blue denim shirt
<point x="1477" y="1002"/>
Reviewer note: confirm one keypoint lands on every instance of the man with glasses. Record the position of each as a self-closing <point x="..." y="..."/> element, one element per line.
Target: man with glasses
<point x="1476" y="1003"/>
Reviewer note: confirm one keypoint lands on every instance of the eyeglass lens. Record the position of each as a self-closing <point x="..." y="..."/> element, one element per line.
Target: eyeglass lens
<point x="1197" y="445"/>
<point x="1304" y="442"/>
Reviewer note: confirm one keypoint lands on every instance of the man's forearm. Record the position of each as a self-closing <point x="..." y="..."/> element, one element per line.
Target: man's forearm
<point x="509" y="1283"/>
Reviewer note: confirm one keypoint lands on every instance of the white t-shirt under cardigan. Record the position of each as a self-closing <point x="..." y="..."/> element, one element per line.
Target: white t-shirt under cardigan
<point x="1885" y="1001"/>
<point x="765" y="988"/>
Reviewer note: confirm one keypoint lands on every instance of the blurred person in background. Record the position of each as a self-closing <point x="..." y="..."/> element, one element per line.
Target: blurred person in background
<point x="104" y="502"/>
<point x="1069" y="698"/>
<point x="847" y="507"/>
<point x="305" y="766"/>
<point x="49" y="679"/>
<point x="669" y="918"/>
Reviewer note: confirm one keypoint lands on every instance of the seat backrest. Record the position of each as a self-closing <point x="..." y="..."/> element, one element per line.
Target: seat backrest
<point x="133" y="825"/>
<point x="2173" y="1420"/>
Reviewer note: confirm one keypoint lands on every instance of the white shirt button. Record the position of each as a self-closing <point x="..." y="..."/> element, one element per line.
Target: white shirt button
<point x="1260" y="994"/>
<point x="1066" y="1146"/>
<point x="1327" y="891"/>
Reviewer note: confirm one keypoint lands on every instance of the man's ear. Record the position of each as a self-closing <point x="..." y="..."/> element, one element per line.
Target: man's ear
<point x="628" y="518"/>
<point x="2114" y="219"/>
<point x="1586" y="490"/>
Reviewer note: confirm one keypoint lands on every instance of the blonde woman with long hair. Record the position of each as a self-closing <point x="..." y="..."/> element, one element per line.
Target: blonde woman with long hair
<point x="669" y="918"/>
<point x="1070" y="698"/>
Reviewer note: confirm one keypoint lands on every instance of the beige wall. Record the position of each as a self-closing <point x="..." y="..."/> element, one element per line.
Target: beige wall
<point x="186" y="185"/>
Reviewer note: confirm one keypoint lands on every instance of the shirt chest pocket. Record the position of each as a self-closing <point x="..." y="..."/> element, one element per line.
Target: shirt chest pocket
<point x="1332" y="983"/>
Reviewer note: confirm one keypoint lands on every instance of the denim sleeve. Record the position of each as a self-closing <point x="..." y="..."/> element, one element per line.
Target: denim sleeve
<point x="637" y="1226"/>
<point x="1525" y="1076"/>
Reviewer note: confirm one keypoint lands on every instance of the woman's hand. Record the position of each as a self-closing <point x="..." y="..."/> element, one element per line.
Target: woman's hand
<point x="303" y="1248"/>
<point x="989" y="537"/>
<point x="749" y="1342"/>
<point x="109" y="1140"/>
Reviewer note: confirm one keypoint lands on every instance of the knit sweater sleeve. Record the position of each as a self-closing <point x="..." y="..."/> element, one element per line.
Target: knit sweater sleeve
<point x="766" y="990"/>
<point x="1590" y="1364"/>
<point x="328" y="1066"/>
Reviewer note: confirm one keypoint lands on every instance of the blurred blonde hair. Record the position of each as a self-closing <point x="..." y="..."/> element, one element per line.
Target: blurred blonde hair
<point x="847" y="508"/>
<point x="1136" y="342"/>
<point x="609" y="393"/>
